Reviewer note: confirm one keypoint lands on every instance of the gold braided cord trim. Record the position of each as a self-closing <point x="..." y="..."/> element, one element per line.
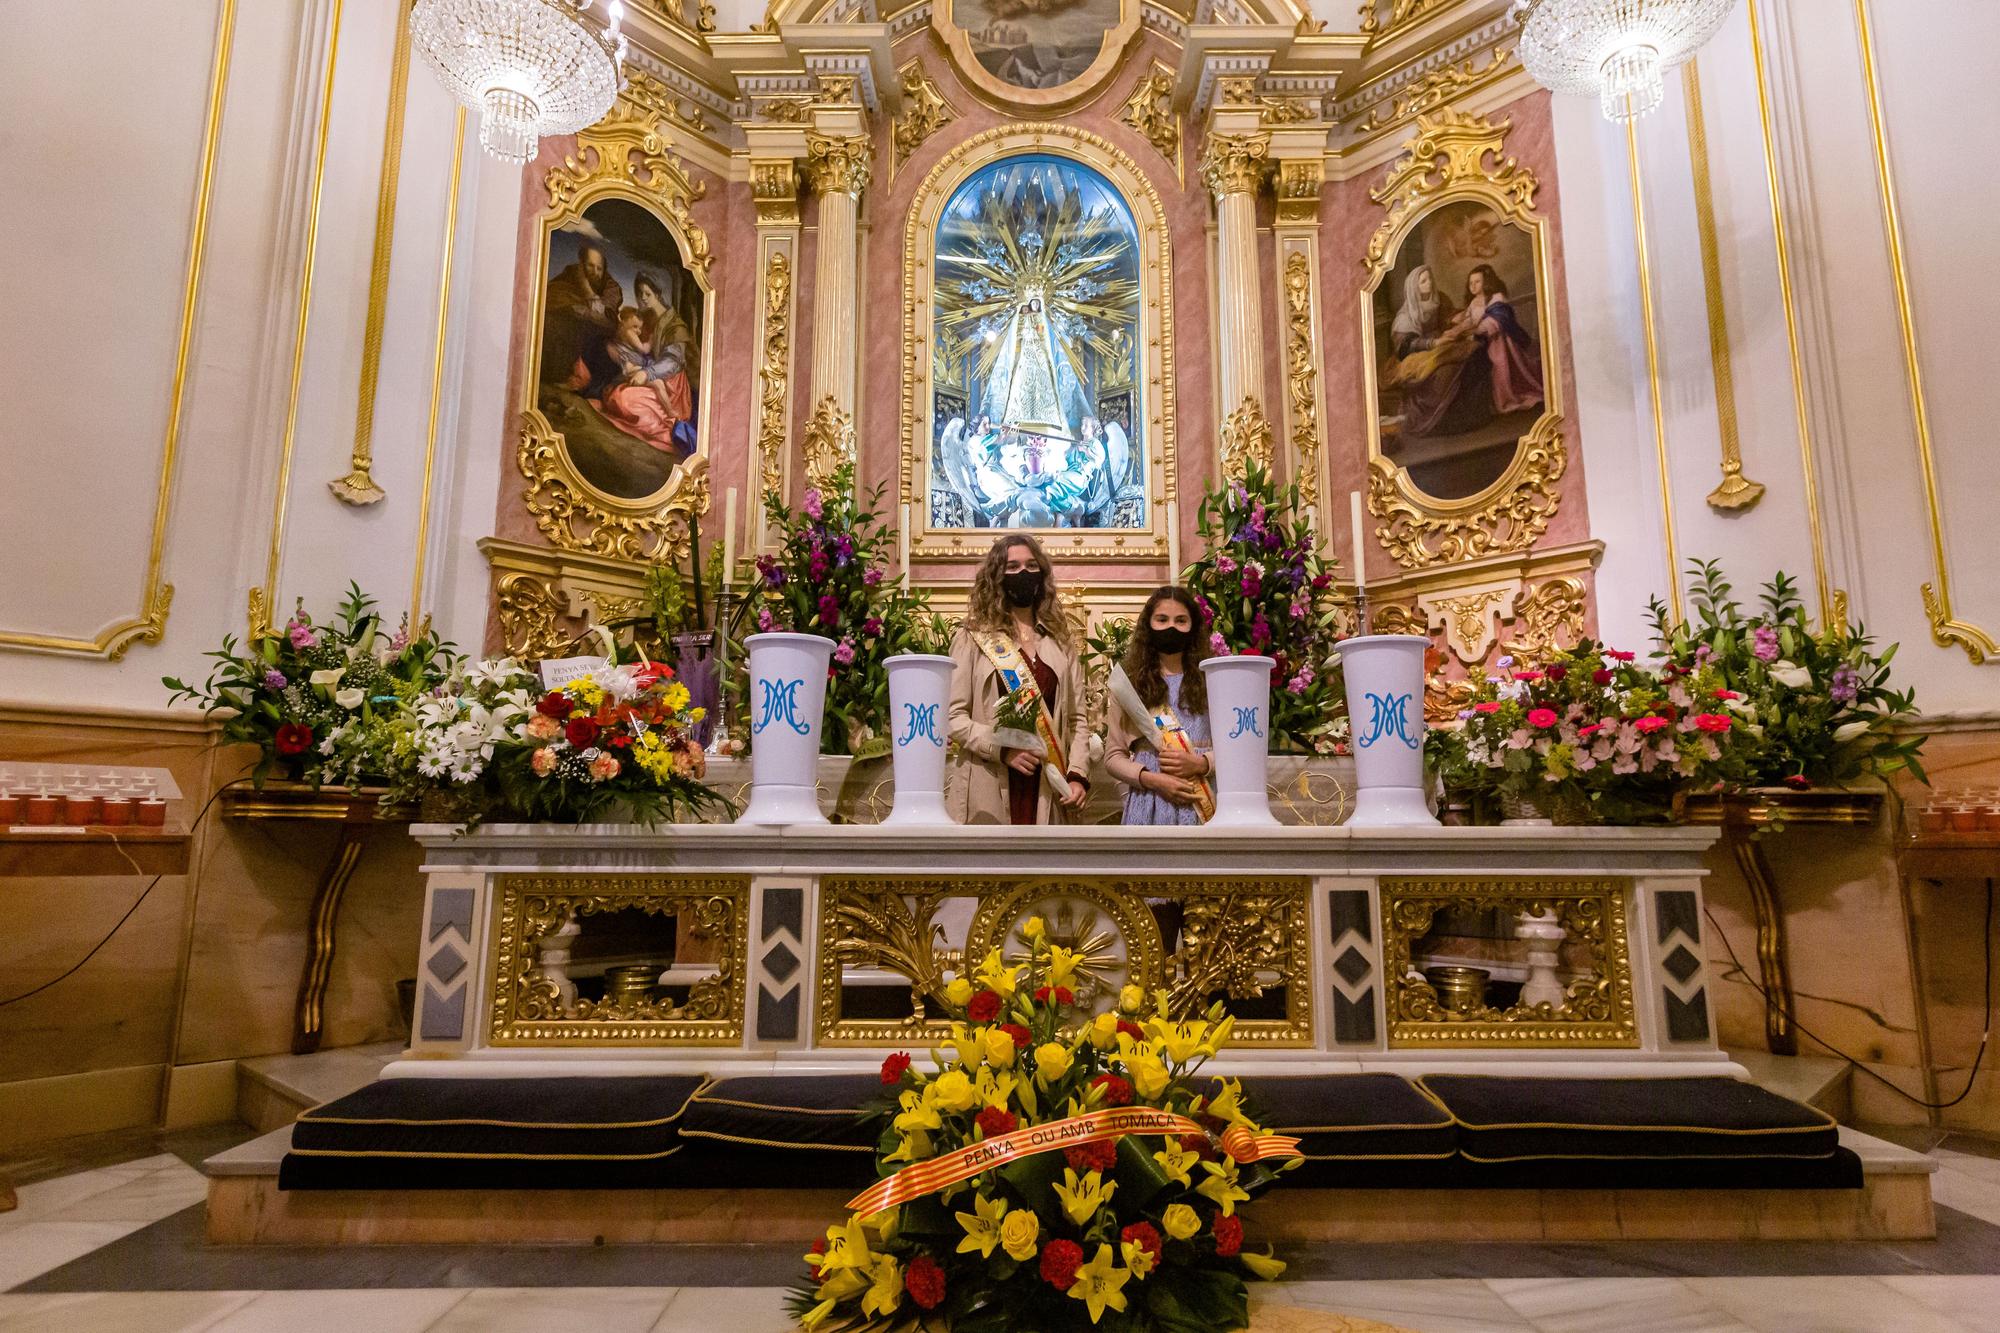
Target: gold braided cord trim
<point x="773" y="1143"/>
<point x="491" y="1156"/>
<point x="1643" y="1157"/>
<point x="1830" y="1122"/>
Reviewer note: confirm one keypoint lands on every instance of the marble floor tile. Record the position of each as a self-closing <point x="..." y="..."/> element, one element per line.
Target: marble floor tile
<point x="1972" y="1301"/>
<point x="1628" y="1305"/>
<point x="141" y="1200"/>
<point x="32" y="1250"/>
<point x="1967" y="1193"/>
<point x="120" y="1312"/>
<point x="1822" y="1305"/>
<point x="363" y="1310"/>
<point x="737" y="1309"/>
<point x="1452" y="1306"/>
<point x="140" y="1166"/>
<point x="540" y="1309"/>
<point x="1985" y="1168"/>
<point x="43" y="1199"/>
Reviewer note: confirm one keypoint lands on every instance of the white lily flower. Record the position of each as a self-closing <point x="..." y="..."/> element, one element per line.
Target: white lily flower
<point x="351" y="697"/>
<point x="1847" y="731"/>
<point x="329" y="677"/>
<point x="1791" y="675"/>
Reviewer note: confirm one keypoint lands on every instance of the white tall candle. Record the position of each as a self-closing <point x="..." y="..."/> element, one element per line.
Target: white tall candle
<point x="728" y="536"/>
<point x="1360" y="570"/>
<point x="1173" y="540"/>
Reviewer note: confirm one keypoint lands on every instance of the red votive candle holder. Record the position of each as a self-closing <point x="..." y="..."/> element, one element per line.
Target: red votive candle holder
<point x="117" y="811"/>
<point x="152" y="813"/>
<point x="79" y="810"/>
<point x="43" y="809"/>
<point x="10" y="807"/>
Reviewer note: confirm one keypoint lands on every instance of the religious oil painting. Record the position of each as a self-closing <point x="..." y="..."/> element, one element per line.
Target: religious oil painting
<point x="621" y="348"/>
<point x="1460" y="360"/>
<point x="1035" y="340"/>
<point x="1037" y="44"/>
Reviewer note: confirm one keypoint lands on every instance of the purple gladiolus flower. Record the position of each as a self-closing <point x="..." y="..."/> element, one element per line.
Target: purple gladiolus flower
<point x="829" y="609"/>
<point x="871" y="578"/>
<point x="301" y="635"/>
<point x="1764" y="644"/>
<point x="813" y="507"/>
<point x="274" y="680"/>
<point x="844" y="654"/>
<point x="1225" y="564"/>
<point x="872" y="626"/>
<point x="1845" y="685"/>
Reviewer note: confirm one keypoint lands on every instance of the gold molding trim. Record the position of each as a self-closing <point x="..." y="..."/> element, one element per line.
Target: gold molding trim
<point x="1548" y="617"/>
<point x="625" y="156"/>
<point x="1598" y="1010"/>
<point x="437" y="371"/>
<point x="1735" y="491"/>
<point x="1299" y="184"/>
<point x="1445" y="162"/>
<point x="925" y="111"/>
<point x="1832" y="601"/>
<point x="528" y="1009"/>
<point x="838" y="165"/>
<point x="1246" y="438"/>
<point x="828" y="443"/>
<point x="359" y="486"/>
<point x="1156" y="337"/>
<point x="996" y="92"/>
<point x="1434" y="90"/>
<point x="774" y="184"/>
<point x="774" y="386"/>
<point x="1674" y="599"/>
<point x="1302" y="374"/>
<point x="266" y="595"/>
<point x="530" y="612"/>
<point x="1150" y="112"/>
<point x="1234" y="163"/>
<point x="1946" y="630"/>
<point x="156" y="598"/>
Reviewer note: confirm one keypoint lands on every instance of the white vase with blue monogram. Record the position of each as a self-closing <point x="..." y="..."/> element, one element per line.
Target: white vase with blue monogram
<point x="1239" y="727"/>
<point x="919" y="696"/>
<point x="1385" y="717"/>
<point x="787" y="699"/>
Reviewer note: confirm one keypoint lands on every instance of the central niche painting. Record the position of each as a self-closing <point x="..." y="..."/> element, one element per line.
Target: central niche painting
<point x="1035" y="345"/>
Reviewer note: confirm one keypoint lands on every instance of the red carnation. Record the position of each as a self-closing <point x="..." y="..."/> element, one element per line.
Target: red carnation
<point x="1727" y="694"/>
<point x="1602" y="675"/>
<point x="580" y="731"/>
<point x="1022" y="1037"/>
<point x="1558" y="672"/>
<point x="893" y="1067"/>
<point x="1490" y="706"/>
<point x="1146" y="1236"/>
<point x="1098" y="1155"/>
<point x="292" y="738"/>
<point x="1060" y="1260"/>
<point x="1228" y="1236"/>
<point x="554" y="704"/>
<point x="985" y="1007"/>
<point x="1126" y="1027"/>
<point x="924" y="1280"/>
<point x="993" y="1122"/>
<point x="1064" y="995"/>
<point x="1041" y="995"/>
<point x="1117" y="1092"/>
<point x="1527" y="675"/>
<point x="1618" y="655"/>
<point x="1199" y="1145"/>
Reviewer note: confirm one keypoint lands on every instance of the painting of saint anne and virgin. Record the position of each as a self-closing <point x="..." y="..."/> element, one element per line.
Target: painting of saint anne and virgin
<point x="1460" y="369"/>
<point x="621" y="348"/>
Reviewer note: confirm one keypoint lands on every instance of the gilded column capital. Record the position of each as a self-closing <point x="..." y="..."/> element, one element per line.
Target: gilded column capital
<point x="774" y="184"/>
<point x="1234" y="163"/>
<point x="1299" y="183"/>
<point x="839" y="165"/>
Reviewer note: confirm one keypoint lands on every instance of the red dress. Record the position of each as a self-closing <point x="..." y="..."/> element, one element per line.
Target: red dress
<point x="1024" y="790"/>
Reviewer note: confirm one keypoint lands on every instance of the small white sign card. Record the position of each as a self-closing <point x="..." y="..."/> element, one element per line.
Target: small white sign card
<point x="560" y="671"/>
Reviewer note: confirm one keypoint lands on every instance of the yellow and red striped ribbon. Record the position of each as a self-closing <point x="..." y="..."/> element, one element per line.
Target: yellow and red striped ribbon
<point x="921" y="1178"/>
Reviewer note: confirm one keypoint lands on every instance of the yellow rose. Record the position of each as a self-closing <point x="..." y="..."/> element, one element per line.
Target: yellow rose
<point x="954" y="1091"/>
<point x="1180" y="1221"/>
<point x="999" y="1049"/>
<point x="1052" y="1061"/>
<point x="1033" y="929"/>
<point x="1149" y="1077"/>
<point x="1019" y="1232"/>
<point x="958" y="992"/>
<point x="1104" y="1031"/>
<point x="1132" y="998"/>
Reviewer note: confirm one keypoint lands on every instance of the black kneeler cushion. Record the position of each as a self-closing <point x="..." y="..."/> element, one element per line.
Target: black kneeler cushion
<point x="1353" y="1117"/>
<point x="1511" y="1119"/>
<point x="474" y="1133"/>
<point x="787" y="1131"/>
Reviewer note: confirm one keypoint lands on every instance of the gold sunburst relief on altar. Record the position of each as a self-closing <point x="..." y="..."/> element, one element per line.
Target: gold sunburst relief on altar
<point x="1037" y="369"/>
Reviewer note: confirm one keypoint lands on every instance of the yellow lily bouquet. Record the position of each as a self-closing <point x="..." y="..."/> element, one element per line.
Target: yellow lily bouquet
<point x="1061" y="1170"/>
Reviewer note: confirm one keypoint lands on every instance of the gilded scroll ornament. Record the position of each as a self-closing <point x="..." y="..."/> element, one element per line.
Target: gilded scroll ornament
<point x="838" y="165"/>
<point x="1450" y="148"/>
<point x="1471" y="621"/>
<point x="828" y="443"/>
<point x="783" y="110"/>
<point x="1548" y="618"/>
<point x="774" y="184"/>
<point x="1150" y="111"/>
<point x="530" y="612"/>
<point x="1301" y="374"/>
<point x="1238" y="944"/>
<point x="925" y="112"/>
<point x="1234" y="163"/>
<point x="1435" y="89"/>
<point x="1246" y="438"/>
<point x="1512" y="521"/>
<point x="1395" y="618"/>
<point x="1299" y="184"/>
<point x="774" y="390"/>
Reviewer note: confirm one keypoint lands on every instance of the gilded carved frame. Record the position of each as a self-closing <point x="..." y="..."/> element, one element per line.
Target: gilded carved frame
<point x="1156" y="336"/>
<point x="1040" y="101"/>
<point x="625" y="156"/>
<point x="1445" y="162"/>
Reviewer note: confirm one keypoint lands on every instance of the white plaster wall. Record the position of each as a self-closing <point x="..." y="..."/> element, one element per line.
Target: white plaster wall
<point x="1859" y="419"/>
<point x="101" y="220"/>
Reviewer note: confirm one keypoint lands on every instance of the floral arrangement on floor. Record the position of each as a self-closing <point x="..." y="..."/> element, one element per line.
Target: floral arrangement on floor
<point x="323" y="702"/>
<point x="991" y="1230"/>
<point x="1822" y="695"/>
<point x="1265" y="590"/>
<point x="830" y="577"/>
<point x="1591" y="735"/>
<point x="618" y="740"/>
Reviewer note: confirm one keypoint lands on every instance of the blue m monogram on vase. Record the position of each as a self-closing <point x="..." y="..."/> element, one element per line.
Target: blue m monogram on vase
<point x="1388" y="716"/>
<point x="1248" y="721"/>
<point x="920" y="722"/>
<point x="780" y="703"/>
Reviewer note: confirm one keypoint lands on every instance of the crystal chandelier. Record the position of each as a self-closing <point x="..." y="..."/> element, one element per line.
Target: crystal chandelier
<point x="530" y="67"/>
<point x="1618" y="49"/>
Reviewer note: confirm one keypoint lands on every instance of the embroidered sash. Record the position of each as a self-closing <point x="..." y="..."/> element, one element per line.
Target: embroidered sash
<point x="1005" y="654"/>
<point x="1172" y="732"/>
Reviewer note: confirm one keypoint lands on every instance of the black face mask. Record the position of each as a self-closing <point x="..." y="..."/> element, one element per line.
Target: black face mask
<point x="1172" y="640"/>
<point x="1023" y="587"/>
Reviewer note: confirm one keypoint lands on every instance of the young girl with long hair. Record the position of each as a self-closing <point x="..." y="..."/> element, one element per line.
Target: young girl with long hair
<point x="1164" y="785"/>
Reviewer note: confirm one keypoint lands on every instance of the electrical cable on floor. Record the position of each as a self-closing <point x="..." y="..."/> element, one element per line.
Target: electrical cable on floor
<point x="1986" y="1024"/>
<point x="143" y="894"/>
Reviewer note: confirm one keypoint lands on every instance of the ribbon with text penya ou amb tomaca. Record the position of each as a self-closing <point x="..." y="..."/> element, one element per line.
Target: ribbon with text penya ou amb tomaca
<point x="921" y="1178"/>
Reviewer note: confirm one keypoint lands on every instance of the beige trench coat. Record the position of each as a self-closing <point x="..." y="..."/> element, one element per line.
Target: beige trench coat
<point x="975" y="787"/>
